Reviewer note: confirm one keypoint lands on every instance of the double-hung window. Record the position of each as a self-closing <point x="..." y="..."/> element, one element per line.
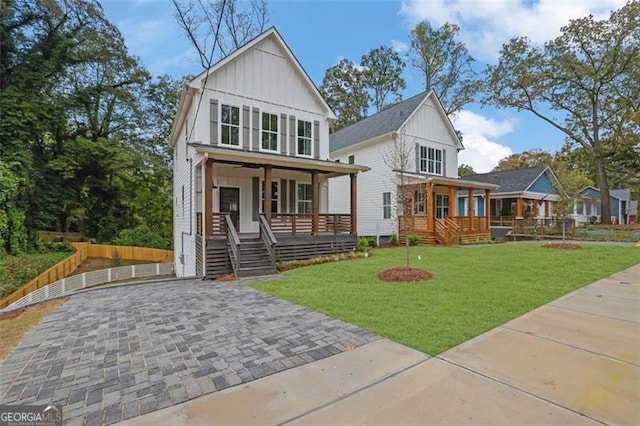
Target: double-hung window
<point x="230" y="125"/>
<point x="269" y="131"/>
<point x="442" y="206"/>
<point x="386" y="205"/>
<point x="430" y="160"/>
<point x="274" y="197"/>
<point x="418" y="202"/>
<point x="304" y="198"/>
<point x="304" y="138"/>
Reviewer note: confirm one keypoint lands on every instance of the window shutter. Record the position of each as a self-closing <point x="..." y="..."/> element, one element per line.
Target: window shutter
<point x="255" y="199"/>
<point x="283" y="195"/>
<point x="417" y="158"/>
<point x="293" y="149"/>
<point x="245" y="127"/>
<point x="283" y="134"/>
<point x="444" y="163"/>
<point x="256" y="131"/>
<point x="213" y="122"/>
<point x="316" y="139"/>
<point x="292" y="196"/>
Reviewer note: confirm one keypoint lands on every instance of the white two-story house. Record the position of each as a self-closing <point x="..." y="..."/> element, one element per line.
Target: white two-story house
<point x="413" y="186"/>
<point x="251" y="166"/>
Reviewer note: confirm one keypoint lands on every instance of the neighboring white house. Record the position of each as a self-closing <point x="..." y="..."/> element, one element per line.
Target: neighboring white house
<point x="589" y="208"/>
<point x="419" y="126"/>
<point x="254" y="117"/>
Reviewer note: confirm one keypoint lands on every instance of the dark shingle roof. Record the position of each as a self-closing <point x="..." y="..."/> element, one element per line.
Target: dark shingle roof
<point x="516" y="180"/>
<point x="621" y="194"/>
<point x="380" y="123"/>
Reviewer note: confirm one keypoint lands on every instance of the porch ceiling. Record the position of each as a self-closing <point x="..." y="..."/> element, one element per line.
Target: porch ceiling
<point x="277" y="161"/>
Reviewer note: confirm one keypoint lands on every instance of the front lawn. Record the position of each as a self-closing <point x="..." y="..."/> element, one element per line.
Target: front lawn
<point x="474" y="289"/>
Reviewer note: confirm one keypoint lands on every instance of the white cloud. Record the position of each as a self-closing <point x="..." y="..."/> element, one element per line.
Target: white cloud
<point x="486" y="25"/>
<point x="480" y="152"/>
<point x="399" y="46"/>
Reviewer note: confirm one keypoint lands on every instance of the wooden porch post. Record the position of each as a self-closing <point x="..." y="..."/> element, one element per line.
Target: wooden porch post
<point x="315" y="202"/>
<point x="354" y="203"/>
<point x="519" y="207"/>
<point x="546" y="208"/>
<point x="429" y="205"/>
<point x="267" y="193"/>
<point x="208" y="199"/>
<point x="471" y="199"/>
<point x="534" y="213"/>
<point x="487" y="207"/>
<point x="452" y="201"/>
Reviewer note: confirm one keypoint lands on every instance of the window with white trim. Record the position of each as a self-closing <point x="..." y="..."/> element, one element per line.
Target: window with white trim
<point x="269" y="131"/>
<point x="304" y="197"/>
<point x="442" y="206"/>
<point x="230" y="125"/>
<point x="304" y="138"/>
<point x="386" y="205"/>
<point x="418" y="202"/>
<point x="431" y="160"/>
<point x="274" y="197"/>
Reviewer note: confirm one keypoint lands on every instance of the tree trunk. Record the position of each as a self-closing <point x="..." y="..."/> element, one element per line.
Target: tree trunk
<point x="603" y="186"/>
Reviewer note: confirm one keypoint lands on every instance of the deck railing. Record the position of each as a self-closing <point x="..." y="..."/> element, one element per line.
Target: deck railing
<point x="302" y="224"/>
<point x="234" y="244"/>
<point x="269" y="239"/>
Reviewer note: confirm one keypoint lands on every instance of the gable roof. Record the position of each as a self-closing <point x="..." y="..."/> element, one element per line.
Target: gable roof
<point x="515" y="180"/>
<point x="620" y="194"/>
<point x="197" y="82"/>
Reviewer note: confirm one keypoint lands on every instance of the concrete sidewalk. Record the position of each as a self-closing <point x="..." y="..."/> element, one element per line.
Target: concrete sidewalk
<point x="575" y="360"/>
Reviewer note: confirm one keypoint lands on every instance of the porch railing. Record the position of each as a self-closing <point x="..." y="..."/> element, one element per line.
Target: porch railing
<point x="480" y="223"/>
<point x="269" y="239"/>
<point x="302" y="224"/>
<point x="234" y="244"/>
<point x="543" y="226"/>
<point x="219" y="225"/>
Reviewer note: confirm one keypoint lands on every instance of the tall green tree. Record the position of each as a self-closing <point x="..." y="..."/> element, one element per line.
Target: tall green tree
<point x="465" y="170"/>
<point x="584" y="83"/>
<point x="445" y="63"/>
<point x="524" y="159"/>
<point x="382" y="73"/>
<point x="343" y="87"/>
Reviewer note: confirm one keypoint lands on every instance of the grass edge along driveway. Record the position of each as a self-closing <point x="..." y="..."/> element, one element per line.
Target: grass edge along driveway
<point x="474" y="289"/>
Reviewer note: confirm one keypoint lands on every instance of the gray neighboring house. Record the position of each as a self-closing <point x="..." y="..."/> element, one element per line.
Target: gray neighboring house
<point x="623" y="210"/>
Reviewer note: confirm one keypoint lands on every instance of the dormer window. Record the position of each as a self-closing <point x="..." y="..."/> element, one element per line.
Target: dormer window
<point x="269" y="132"/>
<point x="230" y="125"/>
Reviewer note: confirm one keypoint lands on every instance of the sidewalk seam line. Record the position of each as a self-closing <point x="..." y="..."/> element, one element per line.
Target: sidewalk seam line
<point x="590" y="313"/>
<point x="509" y="385"/>
<point x="548" y="339"/>
<point x="358" y="390"/>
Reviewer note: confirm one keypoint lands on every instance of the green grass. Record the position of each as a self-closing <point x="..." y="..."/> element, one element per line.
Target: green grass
<point x="16" y="271"/>
<point x="474" y="289"/>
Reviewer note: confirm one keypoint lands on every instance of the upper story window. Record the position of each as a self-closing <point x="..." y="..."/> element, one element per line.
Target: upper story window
<point x="352" y="159"/>
<point x="269" y="131"/>
<point x="431" y="160"/>
<point x="230" y="125"/>
<point x="304" y="138"/>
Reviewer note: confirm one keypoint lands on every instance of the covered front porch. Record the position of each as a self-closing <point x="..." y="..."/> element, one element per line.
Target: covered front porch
<point x="255" y="209"/>
<point x="436" y="210"/>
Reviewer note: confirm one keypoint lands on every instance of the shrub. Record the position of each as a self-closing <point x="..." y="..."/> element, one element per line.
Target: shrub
<point x="363" y="244"/>
<point x="393" y="240"/>
<point x="372" y="241"/>
<point x="413" y="240"/>
<point x="116" y="259"/>
<point x="141" y="236"/>
<point x="54" y="246"/>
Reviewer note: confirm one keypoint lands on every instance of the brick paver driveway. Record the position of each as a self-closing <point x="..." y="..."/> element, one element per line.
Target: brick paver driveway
<point x="114" y="353"/>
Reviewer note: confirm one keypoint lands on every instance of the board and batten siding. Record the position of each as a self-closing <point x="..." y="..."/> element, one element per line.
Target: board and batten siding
<point x="371" y="186"/>
<point x="264" y="78"/>
<point x="184" y="208"/>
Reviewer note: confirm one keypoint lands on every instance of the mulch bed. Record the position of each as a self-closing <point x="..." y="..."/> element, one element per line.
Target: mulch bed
<point x="227" y="277"/>
<point x="11" y="314"/>
<point x="562" y="246"/>
<point x="404" y="274"/>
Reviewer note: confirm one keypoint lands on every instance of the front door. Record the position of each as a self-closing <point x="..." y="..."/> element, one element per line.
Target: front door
<point x="230" y="204"/>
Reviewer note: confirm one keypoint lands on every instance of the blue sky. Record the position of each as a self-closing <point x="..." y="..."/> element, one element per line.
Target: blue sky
<point x="322" y="32"/>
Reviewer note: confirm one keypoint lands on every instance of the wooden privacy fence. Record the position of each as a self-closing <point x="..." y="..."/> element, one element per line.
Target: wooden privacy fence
<point x="85" y="251"/>
<point x="74" y="283"/>
<point x="59" y="270"/>
<point x="126" y="252"/>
